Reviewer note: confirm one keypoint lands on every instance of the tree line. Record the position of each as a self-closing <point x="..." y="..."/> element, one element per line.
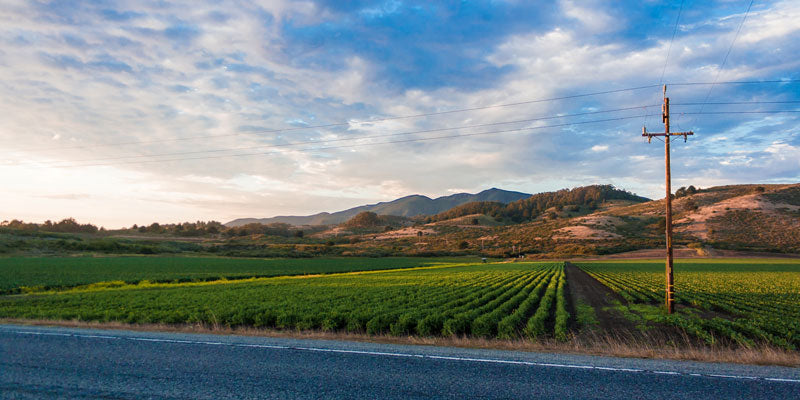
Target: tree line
<point x="534" y="206"/>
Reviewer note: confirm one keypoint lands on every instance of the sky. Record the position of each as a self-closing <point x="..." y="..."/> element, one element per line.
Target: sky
<point x="129" y="112"/>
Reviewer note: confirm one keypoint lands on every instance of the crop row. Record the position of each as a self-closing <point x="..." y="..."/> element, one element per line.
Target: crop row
<point x="482" y="300"/>
<point x="26" y="274"/>
<point x="757" y="302"/>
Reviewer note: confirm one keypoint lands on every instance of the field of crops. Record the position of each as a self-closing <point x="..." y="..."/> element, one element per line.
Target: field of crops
<point x="508" y="300"/>
<point x="743" y="301"/>
<point x="22" y="274"/>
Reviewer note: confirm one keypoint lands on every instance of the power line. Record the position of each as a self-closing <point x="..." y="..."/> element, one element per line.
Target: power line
<point x="574" y="96"/>
<point x="741" y="112"/>
<point x="738" y="102"/>
<point x="728" y="53"/>
<point x="734" y="82"/>
<point x="669" y="50"/>
<point x="360" y="144"/>
<point x="444" y="129"/>
<point x="434" y="130"/>
<point x="280" y="130"/>
<point x="360" y="137"/>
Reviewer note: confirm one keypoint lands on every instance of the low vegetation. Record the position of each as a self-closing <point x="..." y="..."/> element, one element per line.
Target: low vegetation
<point x="745" y="302"/>
<point x="449" y="300"/>
<point x="33" y="274"/>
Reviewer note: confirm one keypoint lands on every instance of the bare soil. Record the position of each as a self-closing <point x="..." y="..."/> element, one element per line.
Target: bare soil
<point x="685" y="252"/>
<point x="583" y="287"/>
<point x="582" y="232"/>
<point x="612" y="325"/>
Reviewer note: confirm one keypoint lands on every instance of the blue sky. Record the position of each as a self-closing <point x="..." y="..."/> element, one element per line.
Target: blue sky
<point x="123" y="112"/>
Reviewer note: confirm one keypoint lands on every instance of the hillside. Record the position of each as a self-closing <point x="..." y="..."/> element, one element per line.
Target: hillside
<point x="597" y="220"/>
<point x="536" y="205"/>
<point x="741" y="217"/>
<point x="409" y="206"/>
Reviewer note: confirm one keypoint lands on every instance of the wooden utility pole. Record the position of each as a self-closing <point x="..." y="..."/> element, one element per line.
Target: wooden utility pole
<point x="670" y="289"/>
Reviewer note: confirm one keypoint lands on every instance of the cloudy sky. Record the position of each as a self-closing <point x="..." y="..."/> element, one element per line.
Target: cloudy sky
<point x="123" y="112"/>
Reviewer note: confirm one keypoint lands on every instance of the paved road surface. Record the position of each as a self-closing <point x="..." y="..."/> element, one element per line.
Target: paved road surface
<point x="43" y="362"/>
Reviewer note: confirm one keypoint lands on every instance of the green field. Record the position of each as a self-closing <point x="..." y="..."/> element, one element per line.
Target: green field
<point x="740" y="300"/>
<point x="743" y="302"/>
<point x="23" y="274"/>
<point x="485" y="300"/>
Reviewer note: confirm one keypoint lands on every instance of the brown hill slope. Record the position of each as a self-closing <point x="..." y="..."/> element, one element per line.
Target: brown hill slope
<point x="755" y="217"/>
<point x="737" y="217"/>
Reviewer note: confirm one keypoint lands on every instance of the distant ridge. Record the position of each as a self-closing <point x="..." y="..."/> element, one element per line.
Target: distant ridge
<point x="408" y="206"/>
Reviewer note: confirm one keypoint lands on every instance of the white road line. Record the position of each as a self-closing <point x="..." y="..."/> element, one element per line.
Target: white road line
<point x="403" y="355"/>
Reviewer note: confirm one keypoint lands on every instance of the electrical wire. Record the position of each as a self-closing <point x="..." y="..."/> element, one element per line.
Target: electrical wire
<point x="360" y="144"/>
<point x="357" y="138"/>
<point x="322" y="126"/>
<point x="669" y="50"/>
<point x="725" y="60"/>
<point x="737" y="102"/>
<point x="742" y="112"/>
<point x="733" y="82"/>
<point x="280" y="130"/>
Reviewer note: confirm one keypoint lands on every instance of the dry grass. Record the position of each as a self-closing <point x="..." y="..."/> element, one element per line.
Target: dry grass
<point x="640" y="346"/>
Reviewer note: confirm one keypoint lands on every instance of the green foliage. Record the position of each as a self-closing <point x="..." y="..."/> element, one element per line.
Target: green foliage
<point x="25" y="274"/>
<point x="536" y="324"/>
<point x="67" y="225"/>
<point x="562" y="316"/>
<point x="536" y="205"/>
<point x="585" y="316"/>
<point x="760" y="299"/>
<point x="445" y="299"/>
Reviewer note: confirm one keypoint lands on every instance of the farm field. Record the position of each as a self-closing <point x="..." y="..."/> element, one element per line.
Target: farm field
<point x="743" y="301"/>
<point x="25" y="274"/>
<point x="508" y="300"/>
<point x="728" y="302"/>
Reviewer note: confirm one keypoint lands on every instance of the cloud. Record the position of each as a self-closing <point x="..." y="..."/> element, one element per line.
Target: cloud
<point x="209" y="111"/>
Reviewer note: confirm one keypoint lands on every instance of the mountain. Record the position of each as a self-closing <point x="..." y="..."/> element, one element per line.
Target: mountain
<point x="409" y="206"/>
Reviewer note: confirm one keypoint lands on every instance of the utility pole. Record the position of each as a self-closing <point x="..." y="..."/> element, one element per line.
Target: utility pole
<point x="670" y="292"/>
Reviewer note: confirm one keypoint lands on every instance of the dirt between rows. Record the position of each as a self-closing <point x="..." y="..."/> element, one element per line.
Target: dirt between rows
<point x="585" y="288"/>
<point x="611" y="324"/>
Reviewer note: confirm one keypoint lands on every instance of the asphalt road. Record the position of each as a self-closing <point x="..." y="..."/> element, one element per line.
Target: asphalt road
<point x="44" y="362"/>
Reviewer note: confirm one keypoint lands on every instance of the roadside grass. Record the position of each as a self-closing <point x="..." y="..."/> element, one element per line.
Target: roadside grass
<point x="596" y="343"/>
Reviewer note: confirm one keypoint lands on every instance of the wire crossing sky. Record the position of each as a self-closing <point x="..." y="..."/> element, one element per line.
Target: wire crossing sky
<point x="121" y="112"/>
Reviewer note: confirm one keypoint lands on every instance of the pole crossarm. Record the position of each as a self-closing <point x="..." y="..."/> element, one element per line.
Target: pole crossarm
<point x="650" y="135"/>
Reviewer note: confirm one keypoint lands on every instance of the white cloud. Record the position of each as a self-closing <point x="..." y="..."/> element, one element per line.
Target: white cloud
<point x="591" y="17"/>
<point x="241" y="72"/>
